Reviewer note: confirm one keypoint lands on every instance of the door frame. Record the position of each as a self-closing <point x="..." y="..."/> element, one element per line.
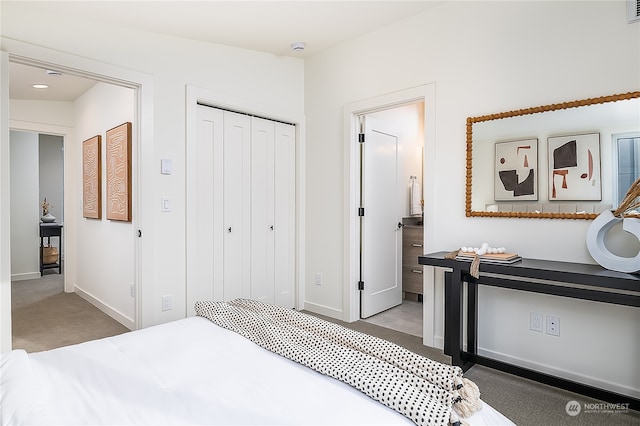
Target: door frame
<point x="351" y="252"/>
<point x="143" y="168"/>
<point x="65" y="133"/>
<point x="198" y="95"/>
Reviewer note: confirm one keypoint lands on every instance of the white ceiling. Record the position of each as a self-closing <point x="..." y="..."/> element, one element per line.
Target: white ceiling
<point x="267" y="26"/>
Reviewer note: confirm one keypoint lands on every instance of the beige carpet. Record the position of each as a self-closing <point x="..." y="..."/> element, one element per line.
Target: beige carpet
<point x="44" y="317"/>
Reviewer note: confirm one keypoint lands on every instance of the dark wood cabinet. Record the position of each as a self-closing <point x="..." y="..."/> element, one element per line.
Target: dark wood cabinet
<point x="48" y="230"/>
<point x="412" y="247"/>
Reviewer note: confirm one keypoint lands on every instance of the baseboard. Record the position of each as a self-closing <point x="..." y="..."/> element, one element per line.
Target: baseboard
<point x="565" y="374"/>
<point x="323" y="310"/>
<point x="25" y="276"/>
<point x="113" y="313"/>
<point x="438" y="342"/>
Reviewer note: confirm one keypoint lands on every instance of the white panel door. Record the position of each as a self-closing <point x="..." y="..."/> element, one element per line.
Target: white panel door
<point x="284" y="214"/>
<point x="205" y="220"/>
<point x="381" y="238"/>
<point x="262" y="209"/>
<point x="236" y="204"/>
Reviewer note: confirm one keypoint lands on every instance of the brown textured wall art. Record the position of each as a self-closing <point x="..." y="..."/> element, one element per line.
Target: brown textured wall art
<point x="118" y="162"/>
<point x="91" y="178"/>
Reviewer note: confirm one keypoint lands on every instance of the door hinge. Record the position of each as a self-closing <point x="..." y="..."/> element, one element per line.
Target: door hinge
<point x="361" y="211"/>
<point x="361" y="137"/>
<point x="360" y="285"/>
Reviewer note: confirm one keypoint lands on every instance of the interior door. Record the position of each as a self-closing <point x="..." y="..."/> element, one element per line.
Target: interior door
<point x="381" y="236"/>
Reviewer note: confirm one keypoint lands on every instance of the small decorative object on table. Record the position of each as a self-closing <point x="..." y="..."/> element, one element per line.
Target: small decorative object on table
<point x="601" y="226"/>
<point x="46" y="216"/>
<point x="486" y="253"/>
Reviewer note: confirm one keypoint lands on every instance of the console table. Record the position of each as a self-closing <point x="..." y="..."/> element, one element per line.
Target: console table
<point x="596" y="283"/>
<point x="48" y="230"/>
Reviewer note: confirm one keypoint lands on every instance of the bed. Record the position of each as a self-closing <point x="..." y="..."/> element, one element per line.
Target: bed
<point x="209" y="369"/>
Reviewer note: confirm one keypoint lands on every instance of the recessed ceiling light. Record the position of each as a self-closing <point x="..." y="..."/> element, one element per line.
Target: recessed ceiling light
<point x="40" y="86"/>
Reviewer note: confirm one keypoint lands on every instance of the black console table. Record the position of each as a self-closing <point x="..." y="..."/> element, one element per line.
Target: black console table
<point x="48" y="230"/>
<point x="596" y="283"/>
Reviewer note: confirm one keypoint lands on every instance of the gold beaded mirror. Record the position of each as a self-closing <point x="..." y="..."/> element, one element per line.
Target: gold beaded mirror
<point x="558" y="161"/>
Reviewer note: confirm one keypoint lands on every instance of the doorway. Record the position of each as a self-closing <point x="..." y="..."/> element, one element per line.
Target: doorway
<point x="391" y="157"/>
<point x="37" y="189"/>
<point x="33" y="114"/>
<point x="351" y="243"/>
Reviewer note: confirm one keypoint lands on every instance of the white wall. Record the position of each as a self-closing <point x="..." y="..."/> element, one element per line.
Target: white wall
<point x="484" y="57"/>
<point x="104" y="249"/>
<point x="25" y="206"/>
<point x="51" y="155"/>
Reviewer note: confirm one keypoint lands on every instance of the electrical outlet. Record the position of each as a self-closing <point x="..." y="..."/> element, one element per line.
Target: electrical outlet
<point x="535" y="322"/>
<point x="318" y="278"/>
<point x="167" y="303"/>
<point x="553" y="325"/>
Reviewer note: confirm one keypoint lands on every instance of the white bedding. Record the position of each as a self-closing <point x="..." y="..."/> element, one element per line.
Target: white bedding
<point x="184" y="372"/>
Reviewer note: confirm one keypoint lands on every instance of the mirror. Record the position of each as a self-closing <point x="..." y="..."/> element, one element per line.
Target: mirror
<point x="552" y="161"/>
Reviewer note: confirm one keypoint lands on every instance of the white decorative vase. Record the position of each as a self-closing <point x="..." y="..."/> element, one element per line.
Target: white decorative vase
<point x="596" y="242"/>
<point x="48" y="218"/>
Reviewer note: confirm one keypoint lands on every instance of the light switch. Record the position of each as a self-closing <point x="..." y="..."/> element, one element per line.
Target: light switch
<point x="166" y="204"/>
<point x="166" y="166"/>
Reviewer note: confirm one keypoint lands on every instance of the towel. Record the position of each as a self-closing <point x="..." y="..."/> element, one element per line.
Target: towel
<point x="416" y="197"/>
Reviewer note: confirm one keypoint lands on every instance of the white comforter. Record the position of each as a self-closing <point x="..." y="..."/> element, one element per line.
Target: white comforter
<point x="184" y="372"/>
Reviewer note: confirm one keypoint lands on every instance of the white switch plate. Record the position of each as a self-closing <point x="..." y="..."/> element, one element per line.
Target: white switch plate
<point x="166" y="204"/>
<point x="167" y="303"/>
<point x="166" y="166"/>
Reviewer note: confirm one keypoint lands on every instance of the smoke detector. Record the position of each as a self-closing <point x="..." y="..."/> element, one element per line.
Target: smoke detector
<point x="298" y="46"/>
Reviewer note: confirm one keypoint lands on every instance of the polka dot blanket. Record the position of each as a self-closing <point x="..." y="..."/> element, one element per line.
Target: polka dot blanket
<point x="425" y="391"/>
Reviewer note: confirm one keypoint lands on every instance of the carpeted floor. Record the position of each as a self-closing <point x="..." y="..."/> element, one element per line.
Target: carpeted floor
<point x="44" y="317"/>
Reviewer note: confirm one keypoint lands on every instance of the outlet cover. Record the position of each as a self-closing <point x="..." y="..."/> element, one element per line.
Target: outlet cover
<point x="553" y="325"/>
<point x="167" y="304"/>
<point x="535" y="321"/>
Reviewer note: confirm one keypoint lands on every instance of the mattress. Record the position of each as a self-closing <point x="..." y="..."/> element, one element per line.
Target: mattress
<point x="186" y="372"/>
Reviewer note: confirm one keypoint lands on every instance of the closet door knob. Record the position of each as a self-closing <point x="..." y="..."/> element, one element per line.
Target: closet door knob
<point x="229" y="230"/>
<point x="271" y="227"/>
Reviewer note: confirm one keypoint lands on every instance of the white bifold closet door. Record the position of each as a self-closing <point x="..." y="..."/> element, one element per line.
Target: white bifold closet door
<point x="272" y="211"/>
<point x="240" y="209"/>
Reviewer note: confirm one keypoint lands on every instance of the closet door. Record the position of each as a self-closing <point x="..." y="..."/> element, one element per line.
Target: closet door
<point x="236" y="206"/>
<point x="272" y="212"/>
<point x="205" y="222"/>
<point x="262" y="209"/>
<point x="284" y="214"/>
